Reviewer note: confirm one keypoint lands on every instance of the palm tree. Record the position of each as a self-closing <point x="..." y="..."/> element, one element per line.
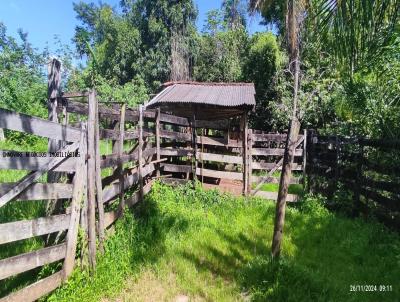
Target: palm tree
<point x="356" y="30"/>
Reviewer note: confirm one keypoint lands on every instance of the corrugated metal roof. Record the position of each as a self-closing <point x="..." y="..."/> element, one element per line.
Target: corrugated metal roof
<point x="218" y="94"/>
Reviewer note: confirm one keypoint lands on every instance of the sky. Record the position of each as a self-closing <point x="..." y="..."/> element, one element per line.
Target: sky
<point x="43" y="19"/>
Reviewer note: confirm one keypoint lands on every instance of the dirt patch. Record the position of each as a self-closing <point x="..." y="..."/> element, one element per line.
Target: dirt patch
<point x="150" y="288"/>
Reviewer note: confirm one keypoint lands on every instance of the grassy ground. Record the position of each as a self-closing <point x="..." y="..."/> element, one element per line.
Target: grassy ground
<point x="211" y="247"/>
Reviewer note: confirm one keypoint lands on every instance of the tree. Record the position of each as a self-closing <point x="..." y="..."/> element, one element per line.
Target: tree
<point x="356" y="31"/>
<point x="262" y="63"/>
<point x="294" y="19"/>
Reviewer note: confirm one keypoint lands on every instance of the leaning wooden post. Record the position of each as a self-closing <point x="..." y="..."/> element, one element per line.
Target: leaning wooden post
<point x="53" y="93"/>
<point x="140" y="151"/>
<point x="91" y="180"/>
<point x="284" y="186"/>
<point x="79" y="184"/>
<point x="244" y="129"/>
<point x="120" y="152"/>
<point x="158" y="140"/>
<point x="99" y="188"/>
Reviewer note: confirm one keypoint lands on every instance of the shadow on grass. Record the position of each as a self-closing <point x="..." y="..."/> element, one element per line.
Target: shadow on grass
<point x="326" y="254"/>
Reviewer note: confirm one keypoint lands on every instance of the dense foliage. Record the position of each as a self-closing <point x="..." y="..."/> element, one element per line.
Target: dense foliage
<point x="349" y="82"/>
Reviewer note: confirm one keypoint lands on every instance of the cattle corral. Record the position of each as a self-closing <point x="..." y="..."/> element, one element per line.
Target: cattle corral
<point x="91" y="191"/>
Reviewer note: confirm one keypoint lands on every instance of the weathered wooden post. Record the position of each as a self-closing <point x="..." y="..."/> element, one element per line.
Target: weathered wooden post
<point x="359" y="179"/>
<point x="194" y="143"/>
<point x="79" y="184"/>
<point x="53" y="93"/>
<point x="91" y="181"/>
<point x="249" y="161"/>
<point x="244" y="129"/>
<point x="304" y="157"/>
<point x="158" y="113"/>
<point x="140" y="151"/>
<point x="284" y="186"/>
<point x="99" y="188"/>
<point x="120" y="153"/>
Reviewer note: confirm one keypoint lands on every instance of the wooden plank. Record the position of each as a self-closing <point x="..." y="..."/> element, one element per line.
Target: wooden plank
<point x="128" y="135"/>
<point x="382" y="143"/>
<point x="274" y="152"/>
<point x="274" y="195"/>
<point x="219" y="141"/>
<point x="129" y="181"/>
<point x="175" y="152"/>
<point x="185" y="137"/>
<point x="171" y="119"/>
<point x="27" y="261"/>
<point x="271" y="137"/>
<point x="112" y="159"/>
<point x="111" y="217"/>
<point x="75" y="94"/>
<point x="29" y="124"/>
<point x="40" y="191"/>
<point x="268" y="166"/>
<point x="219" y="174"/>
<point x="275" y="180"/>
<point x="32" y="161"/>
<point x="176" y="168"/>
<point x="79" y="183"/>
<point x="174" y="181"/>
<point x="24" y="229"/>
<point x="231" y="159"/>
<point x="33" y="176"/>
<point x="382" y="185"/>
<point x="278" y="165"/>
<point x="383" y="200"/>
<point x="217" y="125"/>
<point x="36" y="290"/>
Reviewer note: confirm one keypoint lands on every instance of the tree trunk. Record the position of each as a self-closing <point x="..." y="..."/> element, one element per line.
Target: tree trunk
<point x="293" y="29"/>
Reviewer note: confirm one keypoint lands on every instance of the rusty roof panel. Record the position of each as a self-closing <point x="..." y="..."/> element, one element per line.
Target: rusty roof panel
<point x="219" y="94"/>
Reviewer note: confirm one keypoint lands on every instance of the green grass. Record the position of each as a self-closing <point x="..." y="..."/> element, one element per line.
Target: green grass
<point x="214" y="247"/>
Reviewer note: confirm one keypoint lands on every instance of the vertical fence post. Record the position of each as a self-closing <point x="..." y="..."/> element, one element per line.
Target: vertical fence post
<point x="140" y="150"/>
<point x="79" y="184"/>
<point x="304" y="158"/>
<point x="244" y="129"/>
<point x="158" y="141"/>
<point x="91" y="179"/>
<point x="53" y="91"/>
<point x="99" y="188"/>
<point x="194" y="143"/>
<point x="359" y="179"/>
<point x="120" y="152"/>
<point x="249" y="160"/>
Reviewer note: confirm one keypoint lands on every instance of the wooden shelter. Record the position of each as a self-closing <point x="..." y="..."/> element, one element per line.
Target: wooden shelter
<point x="208" y="101"/>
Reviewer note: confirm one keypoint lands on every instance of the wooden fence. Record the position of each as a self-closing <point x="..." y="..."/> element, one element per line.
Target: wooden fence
<point x="30" y="189"/>
<point x="103" y="158"/>
<point x="368" y="169"/>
